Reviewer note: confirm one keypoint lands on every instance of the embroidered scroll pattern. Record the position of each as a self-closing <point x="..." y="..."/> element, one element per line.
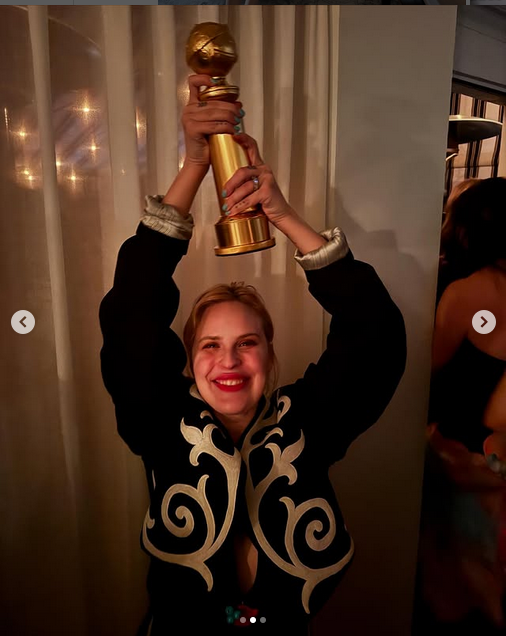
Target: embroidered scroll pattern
<point x="282" y="466"/>
<point x="201" y="442"/>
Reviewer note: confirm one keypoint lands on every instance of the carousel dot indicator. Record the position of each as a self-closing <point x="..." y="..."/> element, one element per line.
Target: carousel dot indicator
<point x="242" y="619"/>
<point x="252" y="619"/>
<point x="263" y="619"/>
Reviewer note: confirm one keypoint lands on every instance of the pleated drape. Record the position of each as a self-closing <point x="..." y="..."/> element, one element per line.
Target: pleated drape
<point x="91" y="100"/>
<point x="37" y="16"/>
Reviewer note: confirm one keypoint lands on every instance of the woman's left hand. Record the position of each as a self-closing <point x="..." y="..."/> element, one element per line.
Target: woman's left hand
<point x="255" y="184"/>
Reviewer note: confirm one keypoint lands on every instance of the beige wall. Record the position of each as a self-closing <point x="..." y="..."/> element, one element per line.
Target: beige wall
<point x="394" y="81"/>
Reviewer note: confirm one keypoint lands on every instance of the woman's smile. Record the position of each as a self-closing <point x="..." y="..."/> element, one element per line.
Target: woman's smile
<point x="231" y="382"/>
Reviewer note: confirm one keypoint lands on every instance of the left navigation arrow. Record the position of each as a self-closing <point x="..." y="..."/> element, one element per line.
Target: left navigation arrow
<point x="23" y="321"/>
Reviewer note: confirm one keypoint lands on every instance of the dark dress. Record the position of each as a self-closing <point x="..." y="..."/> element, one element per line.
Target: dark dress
<point x="460" y="525"/>
<point x="460" y="392"/>
<point x="273" y="484"/>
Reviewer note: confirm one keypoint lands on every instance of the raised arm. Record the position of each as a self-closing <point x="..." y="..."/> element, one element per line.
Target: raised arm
<point x="349" y="387"/>
<point x="355" y="378"/>
<point x="142" y="358"/>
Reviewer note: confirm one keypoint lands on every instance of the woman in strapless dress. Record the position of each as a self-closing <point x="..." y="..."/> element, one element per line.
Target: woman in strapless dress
<point x="461" y="573"/>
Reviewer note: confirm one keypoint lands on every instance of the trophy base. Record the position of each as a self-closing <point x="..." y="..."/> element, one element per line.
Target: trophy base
<point x="243" y="234"/>
<point x="245" y="249"/>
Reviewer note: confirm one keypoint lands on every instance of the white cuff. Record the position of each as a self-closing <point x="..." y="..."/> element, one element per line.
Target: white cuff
<point x="334" y="250"/>
<point x="166" y="219"/>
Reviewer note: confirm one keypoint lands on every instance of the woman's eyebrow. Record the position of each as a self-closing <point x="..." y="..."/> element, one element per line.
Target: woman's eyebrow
<point x="244" y="335"/>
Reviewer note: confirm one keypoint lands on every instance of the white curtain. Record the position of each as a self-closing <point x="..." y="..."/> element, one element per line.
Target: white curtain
<point x="91" y="99"/>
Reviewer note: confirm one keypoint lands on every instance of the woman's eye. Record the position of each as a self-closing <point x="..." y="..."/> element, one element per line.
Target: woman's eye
<point x="243" y="343"/>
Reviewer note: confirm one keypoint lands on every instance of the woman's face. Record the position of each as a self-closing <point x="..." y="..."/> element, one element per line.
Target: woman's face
<point x="231" y="360"/>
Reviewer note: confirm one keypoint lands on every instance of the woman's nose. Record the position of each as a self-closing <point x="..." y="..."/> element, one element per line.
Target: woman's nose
<point x="230" y="357"/>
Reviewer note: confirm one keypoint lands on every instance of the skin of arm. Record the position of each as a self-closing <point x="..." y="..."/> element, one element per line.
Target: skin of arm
<point x="495" y="413"/>
<point x="299" y="232"/>
<point x="450" y="329"/>
<point x="181" y="193"/>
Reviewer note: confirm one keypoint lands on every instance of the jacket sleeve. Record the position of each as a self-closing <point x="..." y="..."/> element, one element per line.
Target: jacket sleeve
<point x="142" y="359"/>
<point x="350" y="386"/>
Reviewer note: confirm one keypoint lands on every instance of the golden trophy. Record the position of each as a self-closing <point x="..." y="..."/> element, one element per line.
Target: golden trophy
<point x="211" y="50"/>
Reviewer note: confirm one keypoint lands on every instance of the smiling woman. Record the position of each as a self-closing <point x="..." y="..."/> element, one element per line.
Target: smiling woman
<point x="242" y="515"/>
<point x="231" y="368"/>
<point x="229" y="340"/>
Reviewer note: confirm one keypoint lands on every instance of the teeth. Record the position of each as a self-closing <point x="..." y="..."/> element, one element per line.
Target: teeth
<point x="229" y="382"/>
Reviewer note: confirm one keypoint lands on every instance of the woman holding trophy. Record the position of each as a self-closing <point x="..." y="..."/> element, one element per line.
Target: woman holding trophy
<point x="243" y="527"/>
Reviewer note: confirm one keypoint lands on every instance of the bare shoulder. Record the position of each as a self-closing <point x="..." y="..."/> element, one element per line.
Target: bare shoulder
<point x="461" y="294"/>
<point x="485" y="289"/>
<point x="485" y="284"/>
<point x="463" y="298"/>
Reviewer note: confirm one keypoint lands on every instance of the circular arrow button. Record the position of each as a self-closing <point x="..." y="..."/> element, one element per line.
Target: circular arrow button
<point x="484" y="321"/>
<point x="23" y="321"/>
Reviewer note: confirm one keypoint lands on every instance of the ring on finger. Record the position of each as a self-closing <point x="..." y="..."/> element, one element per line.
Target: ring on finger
<point x="252" y="167"/>
<point x="256" y="185"/>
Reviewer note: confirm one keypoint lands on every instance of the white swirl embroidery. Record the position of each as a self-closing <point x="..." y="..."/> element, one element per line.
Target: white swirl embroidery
<point x="282" y="466"/>
<point x="202" y="443"/>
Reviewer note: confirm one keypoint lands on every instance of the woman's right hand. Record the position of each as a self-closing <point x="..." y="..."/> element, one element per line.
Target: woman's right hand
<point x="203" y="118"/>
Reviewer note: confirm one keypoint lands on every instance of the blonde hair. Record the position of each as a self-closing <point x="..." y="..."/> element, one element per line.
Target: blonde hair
<point x="222" y="293"/>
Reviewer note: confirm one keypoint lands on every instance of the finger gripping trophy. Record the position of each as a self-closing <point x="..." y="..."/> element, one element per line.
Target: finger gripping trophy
<point x="211" y="50"/>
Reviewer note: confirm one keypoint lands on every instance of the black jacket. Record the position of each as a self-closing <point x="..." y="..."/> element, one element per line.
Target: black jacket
<point x="274" y="483"/>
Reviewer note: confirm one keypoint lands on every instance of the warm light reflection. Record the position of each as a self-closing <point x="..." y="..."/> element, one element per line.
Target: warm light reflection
<point x="22" y="133"/>
<point x="6" y="116"/>
<point x="26" y="178"/>
<point x="58" y="164"/>
<point x="71" y="179"/>
<point x="74" y="178"/>
<point x="93" y="147"/>
<point x="140" y="124"/>
<point x="84" y="107"/>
